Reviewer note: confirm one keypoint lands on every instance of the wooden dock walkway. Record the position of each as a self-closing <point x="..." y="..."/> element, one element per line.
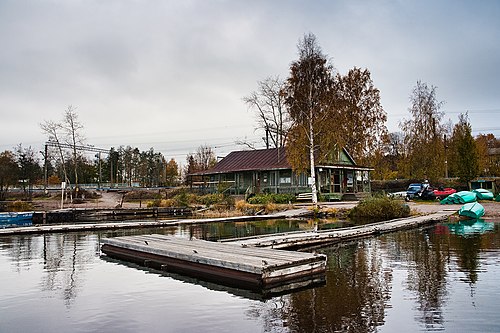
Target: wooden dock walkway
<point x="244" y="267"/>
<point x="304" y="239"/>
<point x="54" y="228"/>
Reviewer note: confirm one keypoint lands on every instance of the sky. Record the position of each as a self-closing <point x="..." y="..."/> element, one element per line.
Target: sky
<point x="171" y="75"/>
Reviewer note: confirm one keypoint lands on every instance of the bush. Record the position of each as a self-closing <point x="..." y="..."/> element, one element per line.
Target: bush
<point x="211" y="199"/>
<point x="379" y="208"/>
<point x="264" y="199"/>
<point x="19" y="206"/>
<point x="243" y="206"/>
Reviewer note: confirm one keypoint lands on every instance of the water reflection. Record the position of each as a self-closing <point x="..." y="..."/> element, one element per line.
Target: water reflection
<point x="354" y="299"/>
<point x="371" y="284"/>
<point x="64" y="260"/>
<point x="426" y="258"/>
<point x="470" y="227"/>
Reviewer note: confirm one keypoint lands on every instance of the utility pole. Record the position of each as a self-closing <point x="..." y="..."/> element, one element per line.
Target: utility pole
<point x="445" y="157"/>
<point x="45" y="178"/>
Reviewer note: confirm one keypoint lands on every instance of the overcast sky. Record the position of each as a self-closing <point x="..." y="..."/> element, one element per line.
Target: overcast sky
<point x="172" y="74"/>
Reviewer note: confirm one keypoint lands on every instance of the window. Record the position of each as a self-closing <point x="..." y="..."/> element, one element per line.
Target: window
<point x="286" y="178"/>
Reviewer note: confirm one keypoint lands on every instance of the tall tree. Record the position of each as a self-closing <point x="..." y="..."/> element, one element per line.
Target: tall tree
<point x="487" y="147"/>
<point x="202" y="160"/>
<point x="309" y="99"/>
<point x="269" y="105"/>
<point x="9" y="171"/>
<point x="424" y="133"/>
<point x="53" y="129"/>
<point x="29" y="167"/>
<point x="74" y="137"/>
<point x="172" y="172"/>
<point x="466" y="159"/>
<point x="66" y="134"/>
<point x="205" y="158"/>
<point x="364" y="127"/>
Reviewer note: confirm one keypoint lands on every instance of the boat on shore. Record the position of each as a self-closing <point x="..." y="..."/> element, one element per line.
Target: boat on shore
<point x="472" y="210"/>
<point x="461" y="197"/>
<point x="442" y="193"/>
<point x="15" y="219"/>
<point x="483" y="194"/>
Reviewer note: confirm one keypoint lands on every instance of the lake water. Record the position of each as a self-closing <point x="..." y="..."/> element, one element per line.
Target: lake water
<point x="443" y="278"/>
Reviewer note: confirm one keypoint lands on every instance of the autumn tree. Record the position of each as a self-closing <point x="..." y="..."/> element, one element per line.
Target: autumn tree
<point x="311" y="105"/>
<point x="364" y="118"/>
<point x="464" y="155"/>
<point x="202" y="160"/>
<point x="384" y="158"/>
<point x="9" y="171"/>
<point x="205" y="158"/>
<point x="171" y="173"/>
<point x="424" y="134"/>
<point x="268" y="102"/>
<point x="487" y="147"/>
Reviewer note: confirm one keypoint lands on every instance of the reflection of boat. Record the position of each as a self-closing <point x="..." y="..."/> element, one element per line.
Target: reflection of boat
<point x="470" y="227"/>
<point x="15" y="219"/>
<point x="483" y="194"/>
<point x="473" y="210"/>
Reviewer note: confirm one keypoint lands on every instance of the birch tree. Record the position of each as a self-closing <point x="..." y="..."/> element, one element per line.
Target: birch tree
<point x="311" y="105"/>
<point x="74" y="137"/>
<point x="424" y="133"/>
<point x="66" y="134"/>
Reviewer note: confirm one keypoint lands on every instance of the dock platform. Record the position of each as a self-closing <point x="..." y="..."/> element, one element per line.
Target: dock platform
<point x="248" y="268"/>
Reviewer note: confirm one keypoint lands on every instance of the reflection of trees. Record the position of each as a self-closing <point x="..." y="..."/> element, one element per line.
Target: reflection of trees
<point x="427" y="256"/>
<point x="223" y="230"/>
<point x="65" y="258"/>
<point x="468" y="250"/>
<point x="354" y="298"/>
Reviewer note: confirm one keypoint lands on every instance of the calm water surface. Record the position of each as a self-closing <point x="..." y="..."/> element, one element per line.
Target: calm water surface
<point x="443" y="278"/>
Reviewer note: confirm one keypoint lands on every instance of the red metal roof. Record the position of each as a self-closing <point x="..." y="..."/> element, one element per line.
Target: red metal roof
<point x="263" y="159"/>
<point x="247" y="160"/>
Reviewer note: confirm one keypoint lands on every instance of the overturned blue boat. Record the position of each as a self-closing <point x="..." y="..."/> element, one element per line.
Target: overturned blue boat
<point x="473" y="210"/>
<point x="483" y="194"/>
<point x="459" y="198"/>
<point x="15" y="219"/>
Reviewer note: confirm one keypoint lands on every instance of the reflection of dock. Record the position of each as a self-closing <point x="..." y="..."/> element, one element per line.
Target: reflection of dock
<point x="247" y="268"/>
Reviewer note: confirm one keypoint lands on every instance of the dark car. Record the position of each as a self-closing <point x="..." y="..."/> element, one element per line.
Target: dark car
<point x="413" y="190"/>
<point x="420" y="191"/>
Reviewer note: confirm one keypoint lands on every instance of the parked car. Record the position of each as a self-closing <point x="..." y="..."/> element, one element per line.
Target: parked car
<point x="413" y="190"/>
<point x="420" y="191"/>
<point x="397" y="195"/>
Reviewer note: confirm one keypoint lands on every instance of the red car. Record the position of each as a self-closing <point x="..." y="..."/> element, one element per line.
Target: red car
<point x="442" y="193"/>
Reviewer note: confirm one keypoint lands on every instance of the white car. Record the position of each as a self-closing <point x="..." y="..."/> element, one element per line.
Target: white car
<point x="397" y="195"/>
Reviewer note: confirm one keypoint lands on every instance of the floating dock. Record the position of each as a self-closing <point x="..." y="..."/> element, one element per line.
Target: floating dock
<point x="309" y="239"/>
<point x="249" y="268"/>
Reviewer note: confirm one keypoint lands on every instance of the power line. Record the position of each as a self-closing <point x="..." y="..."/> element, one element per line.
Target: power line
<point x="77" y="147"/>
